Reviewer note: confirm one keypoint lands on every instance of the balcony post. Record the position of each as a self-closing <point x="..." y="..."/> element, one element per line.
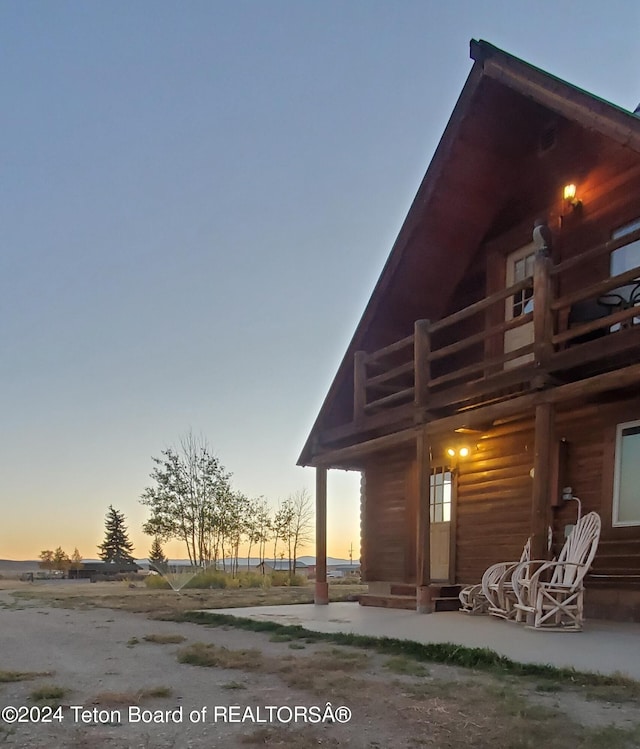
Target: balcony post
<point x="421" y="363"/>
<point x="359" y="384"/>
<point x="542" y="317"/>
<point x="424" y="603"/>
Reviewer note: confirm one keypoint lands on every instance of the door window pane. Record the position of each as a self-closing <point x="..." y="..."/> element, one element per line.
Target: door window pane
<point x="440" y="495"/>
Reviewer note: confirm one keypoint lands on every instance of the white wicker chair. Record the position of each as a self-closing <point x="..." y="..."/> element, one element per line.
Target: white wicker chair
<point x="489" y="596"/>
<point x="498" y="588"/>
<point x="551" y="594"/>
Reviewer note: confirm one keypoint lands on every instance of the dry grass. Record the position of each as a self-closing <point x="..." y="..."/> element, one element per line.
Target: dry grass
<point x="164" y="639"/>
<point x="11" y="676"/>
<point x="48" y="693"/>
<point x="203" y="654"/>
<point x="163" y="604"/>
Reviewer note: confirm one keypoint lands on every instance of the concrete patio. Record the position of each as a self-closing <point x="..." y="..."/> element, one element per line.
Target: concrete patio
<point x="602" y="647"/>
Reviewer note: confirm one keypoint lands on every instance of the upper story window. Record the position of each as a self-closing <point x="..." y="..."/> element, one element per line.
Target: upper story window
<point x="626" y="484"/>
<point x="628" y="256"/>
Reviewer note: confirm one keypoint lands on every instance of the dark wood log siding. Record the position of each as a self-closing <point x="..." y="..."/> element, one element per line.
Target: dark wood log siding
<point x="590" y="433"/>
<point x="389" y="518"/>
<point x="494" y="500"/>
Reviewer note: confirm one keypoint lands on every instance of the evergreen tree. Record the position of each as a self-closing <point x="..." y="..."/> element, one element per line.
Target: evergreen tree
<point x="156" y="555"/>
<point x="116" y="546"/>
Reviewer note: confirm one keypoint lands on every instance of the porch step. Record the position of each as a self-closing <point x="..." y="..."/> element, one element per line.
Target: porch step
<point x="389" y="602"/>
<point x="445" y="597"/>
<point x="403" y="589"/>
<point x="403" y="596"/>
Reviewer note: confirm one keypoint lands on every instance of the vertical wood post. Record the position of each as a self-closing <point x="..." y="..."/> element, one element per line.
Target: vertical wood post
<point x="423" y="540"/>
<point x="359" y="384"/>
<point x="421" y="364"/>
<point x="322" y="589"/>
<point x="542" y="317"/>
<point x="542" y="490"/>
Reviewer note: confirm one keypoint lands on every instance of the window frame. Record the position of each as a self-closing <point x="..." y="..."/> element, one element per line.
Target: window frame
<point x="616" y="477"/>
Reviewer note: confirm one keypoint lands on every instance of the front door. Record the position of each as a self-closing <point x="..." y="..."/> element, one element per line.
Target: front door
<point x="440" y="503"/>
<point x="519" y="266"/>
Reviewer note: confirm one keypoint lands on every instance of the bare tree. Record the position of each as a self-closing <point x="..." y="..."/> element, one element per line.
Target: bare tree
<point x="281" y="528"/>
<point x="301" y="523"/>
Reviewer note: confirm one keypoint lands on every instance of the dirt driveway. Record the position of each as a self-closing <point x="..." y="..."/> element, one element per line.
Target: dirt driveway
<point x="122" y="680"/>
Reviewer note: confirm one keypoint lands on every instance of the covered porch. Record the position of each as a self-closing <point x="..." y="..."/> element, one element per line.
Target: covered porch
<point x="603" y="647"/>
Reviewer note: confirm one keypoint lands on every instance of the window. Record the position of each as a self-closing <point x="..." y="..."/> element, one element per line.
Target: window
<point x="628" y="256"/>
<point x="626" y="484"/>
<point x="440" y="495"/>
<point x="523" y="299"/>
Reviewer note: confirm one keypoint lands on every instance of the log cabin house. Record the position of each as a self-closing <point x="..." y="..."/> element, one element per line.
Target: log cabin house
<point x="498" y="359"/>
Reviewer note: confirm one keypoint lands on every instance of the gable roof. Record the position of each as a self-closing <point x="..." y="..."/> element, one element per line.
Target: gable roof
<point x="433" y="243"/>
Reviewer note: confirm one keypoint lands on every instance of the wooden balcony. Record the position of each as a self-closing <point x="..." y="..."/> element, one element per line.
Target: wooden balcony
<point x="482" y="354"/>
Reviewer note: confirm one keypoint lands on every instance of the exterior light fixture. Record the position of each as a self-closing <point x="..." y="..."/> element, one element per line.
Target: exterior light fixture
<point x="569" y="196"/>
<point x="461" y="452"/>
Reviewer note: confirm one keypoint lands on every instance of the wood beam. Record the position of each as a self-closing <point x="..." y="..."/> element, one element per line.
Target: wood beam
<point x="359" y="384"/>
<point x="422" y="367"/>
<point x="322" y="589"/>
<point x="483" y="417"/>
<point x="423" y="541"/>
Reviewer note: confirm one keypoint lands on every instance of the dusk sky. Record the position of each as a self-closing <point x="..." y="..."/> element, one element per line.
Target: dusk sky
<point x="196" y="200"/>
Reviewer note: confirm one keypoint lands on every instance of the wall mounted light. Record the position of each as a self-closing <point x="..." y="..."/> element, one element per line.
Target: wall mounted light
<point x="460" y="452"/>
<point x="569" y="196"/>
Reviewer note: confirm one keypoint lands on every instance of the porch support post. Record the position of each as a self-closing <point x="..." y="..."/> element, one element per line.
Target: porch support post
<point x="542" y="467"/>
<point x="322" y="588"/>
<point x="423" y="552"/>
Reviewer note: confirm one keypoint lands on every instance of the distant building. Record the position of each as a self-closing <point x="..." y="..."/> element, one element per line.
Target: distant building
<point x="282" y="565"/>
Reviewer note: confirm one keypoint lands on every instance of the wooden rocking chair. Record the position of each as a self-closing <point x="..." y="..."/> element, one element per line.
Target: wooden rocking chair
<point x="489" y="596"/>
<point x="550" y="594"/>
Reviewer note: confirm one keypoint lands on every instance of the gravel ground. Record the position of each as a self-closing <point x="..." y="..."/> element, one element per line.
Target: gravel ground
<point x="100" y="658"/>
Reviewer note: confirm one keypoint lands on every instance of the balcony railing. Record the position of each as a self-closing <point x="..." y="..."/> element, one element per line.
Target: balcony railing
<point x="463" y="359"/>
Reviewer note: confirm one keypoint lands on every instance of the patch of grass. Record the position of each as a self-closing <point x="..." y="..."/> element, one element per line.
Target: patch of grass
<point x="157" y="692"/>
<point x="132" y="641"/>
<point x="48" y="693"/>
<point x="164" y="639"/>
<point x="297" y="646"/>
<point x="203" y="654"/>
<point x="10" y="676"/>
<point x="401" y="665"/>
<point x="549" y="686"/>
<point x="234" y="685"/>
<point x="280" y="638"/>
<point x="429" y="689"/>
<point x="612" y="737"/>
